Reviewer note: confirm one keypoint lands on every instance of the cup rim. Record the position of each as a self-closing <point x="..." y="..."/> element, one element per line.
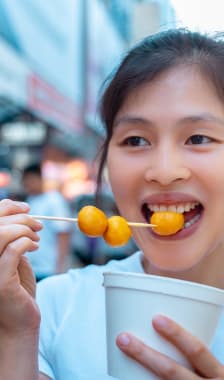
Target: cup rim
<point x="163" y="285"/>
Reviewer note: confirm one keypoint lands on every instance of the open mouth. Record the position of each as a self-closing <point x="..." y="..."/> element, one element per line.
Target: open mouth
<point x="191" y="211"/>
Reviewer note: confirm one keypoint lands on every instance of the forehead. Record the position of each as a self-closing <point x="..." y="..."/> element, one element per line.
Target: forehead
<point x="177" y="89"/>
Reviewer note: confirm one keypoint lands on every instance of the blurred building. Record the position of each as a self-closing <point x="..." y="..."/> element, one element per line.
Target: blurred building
<point x="137" y="18"/>
<point x="54" y="57"/>
<point x="150" y="17"/>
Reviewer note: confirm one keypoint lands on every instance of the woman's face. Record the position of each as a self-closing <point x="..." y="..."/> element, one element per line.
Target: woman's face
<point x="167" y="152"/>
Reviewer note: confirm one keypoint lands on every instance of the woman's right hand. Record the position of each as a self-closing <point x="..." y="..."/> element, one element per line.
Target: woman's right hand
<point x="18" y="235"/>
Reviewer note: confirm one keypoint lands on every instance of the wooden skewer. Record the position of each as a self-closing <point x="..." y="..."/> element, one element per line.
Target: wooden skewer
<point x="60" y="218"/>
<point x="138" y="224"/>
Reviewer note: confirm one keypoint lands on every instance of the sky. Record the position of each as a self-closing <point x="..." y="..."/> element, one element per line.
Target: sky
<point x="201" y="15"/>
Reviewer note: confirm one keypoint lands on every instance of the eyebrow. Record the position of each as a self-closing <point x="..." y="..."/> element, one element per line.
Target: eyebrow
<point x="132" y="120"/>
<point x="206" y="117"/>
<point x="202" y="117"/>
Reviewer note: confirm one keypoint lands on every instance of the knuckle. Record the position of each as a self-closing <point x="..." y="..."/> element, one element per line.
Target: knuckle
<point x="16" y="248"/>
<point x="6" y="205"/>
<point x="25" y="241"/>
<point x="9" y="206"/>
<point x="197" y="351"/>
<point x="22" y="230"/>
<point x="8" y="232"/>
<point x="11" y="249"/>
<point x="28" y="219"/>
<point x="170" y="371"/>
<point x="25" y="218"/>
<point x="34" y="224"/>
<point x="16" y="245"/>
<point x="6" y="202"/>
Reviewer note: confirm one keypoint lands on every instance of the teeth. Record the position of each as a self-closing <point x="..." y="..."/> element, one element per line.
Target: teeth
<point x="180" y="208"/>
<point x="172" y="208"/>
<point x="192" y="221"/>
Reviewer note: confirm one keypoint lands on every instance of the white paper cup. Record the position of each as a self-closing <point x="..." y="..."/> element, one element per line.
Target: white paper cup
<point x="132" y="300"/>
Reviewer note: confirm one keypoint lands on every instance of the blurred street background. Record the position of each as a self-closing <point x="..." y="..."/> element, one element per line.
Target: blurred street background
<point x="54" y="58"/>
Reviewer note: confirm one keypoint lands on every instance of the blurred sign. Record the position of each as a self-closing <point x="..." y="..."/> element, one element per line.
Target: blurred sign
<point x="21" y="86"/>
<point x="102" y="55"/>
<point x="13" y="75"/>
<point x="46" y="38"/>
<point x="52" y="105"/>
<point x="20" y="133"/>
<point x="48" y="35"/>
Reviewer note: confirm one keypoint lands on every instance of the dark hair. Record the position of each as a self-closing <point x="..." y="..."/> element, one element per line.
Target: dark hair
<point x="34" y="168"/>
<point x="151" y="57"/>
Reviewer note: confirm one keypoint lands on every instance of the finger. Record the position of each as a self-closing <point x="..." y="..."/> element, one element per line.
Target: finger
<point x="9" y="207"/>
<point x="26" y="219"/>
<point x="10" y="233"/>
<point x="26" y="275"/>
<point x="16" y="249"/>
<point x="12" y="255"/>
<point x="161" y="365"/>
<point x="195" y="351"/>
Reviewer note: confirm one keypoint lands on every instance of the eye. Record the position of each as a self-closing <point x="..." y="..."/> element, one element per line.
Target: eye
<point x="199" y="139"/>
<point x="135" y="141"/>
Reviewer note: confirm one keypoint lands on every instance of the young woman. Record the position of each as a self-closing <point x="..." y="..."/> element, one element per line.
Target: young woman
<point x="164" y="118"/>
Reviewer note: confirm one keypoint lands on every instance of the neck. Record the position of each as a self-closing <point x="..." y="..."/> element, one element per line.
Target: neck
<point x="209" y="271"/>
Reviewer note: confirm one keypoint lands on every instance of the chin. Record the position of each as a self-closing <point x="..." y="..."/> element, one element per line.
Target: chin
<point x="173" y="272"/>
<point x="172" y="264"/>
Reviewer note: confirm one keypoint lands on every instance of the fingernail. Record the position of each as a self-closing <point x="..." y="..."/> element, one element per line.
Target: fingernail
<point x="123" y="340"/>
<point x="39" y="224"/>
<point x="161" y="322"/>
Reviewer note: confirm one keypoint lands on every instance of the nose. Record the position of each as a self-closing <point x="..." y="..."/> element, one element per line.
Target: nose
<point x="167" y="167"/>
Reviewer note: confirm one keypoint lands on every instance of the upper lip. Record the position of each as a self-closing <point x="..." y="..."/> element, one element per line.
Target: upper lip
<point x="169" y="198"/>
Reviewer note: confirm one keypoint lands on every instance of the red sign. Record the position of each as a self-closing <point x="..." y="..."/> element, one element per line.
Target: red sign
<point x="52" y="105"/>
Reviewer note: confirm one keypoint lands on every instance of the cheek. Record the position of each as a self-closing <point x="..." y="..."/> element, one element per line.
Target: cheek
<point x="214" y="180"/>
<point x="121" y="180"/>
<point x="209" y="173"/>
<point x="114" y="167"/>
<point x="118" y="180"/>
<point x="216" y="174"/>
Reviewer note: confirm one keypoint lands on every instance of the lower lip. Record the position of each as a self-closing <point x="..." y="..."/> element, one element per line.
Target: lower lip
<point x="186" y="232"/>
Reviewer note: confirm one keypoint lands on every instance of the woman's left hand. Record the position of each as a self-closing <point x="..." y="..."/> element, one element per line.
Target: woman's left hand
<point x="204" y="364"/>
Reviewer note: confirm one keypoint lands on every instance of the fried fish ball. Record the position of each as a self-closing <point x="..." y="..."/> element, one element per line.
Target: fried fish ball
<point x="118" y="231"/>
<point x="167" y="222"/>
<point x="92" y="221"/>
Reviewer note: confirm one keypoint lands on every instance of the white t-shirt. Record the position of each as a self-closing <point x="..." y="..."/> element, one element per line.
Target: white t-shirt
<point x="43" y="261"/>
<point x="73" y="330"/>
